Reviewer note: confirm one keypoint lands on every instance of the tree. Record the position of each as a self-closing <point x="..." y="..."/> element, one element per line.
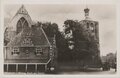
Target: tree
<point x="52" y="29"/>
<point x="76" y="36"/>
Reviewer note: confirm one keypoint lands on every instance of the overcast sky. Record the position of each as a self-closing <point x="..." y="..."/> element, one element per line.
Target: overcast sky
<point x="104" y="14"/>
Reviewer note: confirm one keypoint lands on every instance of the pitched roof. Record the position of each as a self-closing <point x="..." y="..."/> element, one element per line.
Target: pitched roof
<point x="30" y="37"/>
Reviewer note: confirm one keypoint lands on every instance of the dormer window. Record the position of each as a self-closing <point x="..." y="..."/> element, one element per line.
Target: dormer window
<point x="27" y="42"/>
<point x="39" y="51"/>
<point x="15" y="51"/>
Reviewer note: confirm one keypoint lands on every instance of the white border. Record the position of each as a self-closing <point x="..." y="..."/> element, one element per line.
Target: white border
<point x="3" y="2"/>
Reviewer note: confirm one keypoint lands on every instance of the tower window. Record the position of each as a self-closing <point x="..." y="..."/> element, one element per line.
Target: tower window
<point x="19" y="27"/>
<point x="92" y="27"/>
<point x="87" y="25"/>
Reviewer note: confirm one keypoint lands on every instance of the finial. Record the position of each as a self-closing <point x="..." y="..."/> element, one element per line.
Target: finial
<point x="22" y="10"/>
<point x="22" y="6"/>
<point x="86" y="10"/>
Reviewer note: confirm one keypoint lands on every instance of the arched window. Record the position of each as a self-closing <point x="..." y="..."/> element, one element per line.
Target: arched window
<point x="21" y="24"/>
<point x="87" y="25"/>
<point x="19" y="27"/>
<point x="92" y="27"/>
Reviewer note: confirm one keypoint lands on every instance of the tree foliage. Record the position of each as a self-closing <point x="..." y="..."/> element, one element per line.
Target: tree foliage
<point x="51" y="29"/>
<point x="83" y="47"/>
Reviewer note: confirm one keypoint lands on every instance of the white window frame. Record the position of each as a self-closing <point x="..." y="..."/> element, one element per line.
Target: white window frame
<point x="15" y="51"/>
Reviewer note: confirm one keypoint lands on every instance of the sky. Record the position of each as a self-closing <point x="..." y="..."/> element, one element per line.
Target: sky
<point x="58" y="13"/>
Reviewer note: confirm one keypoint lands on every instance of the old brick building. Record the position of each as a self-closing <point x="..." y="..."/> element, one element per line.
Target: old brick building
<point x="27" y="48"/>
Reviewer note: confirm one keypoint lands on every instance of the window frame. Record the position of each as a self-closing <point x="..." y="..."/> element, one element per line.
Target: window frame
<point x="15" y="51"/>
<point x="27" y="42"/>
<point x="87" y="25"/>
<point x="38" y="51"/>
<point x="22" y="23"/>
<point x="92" y="27"/>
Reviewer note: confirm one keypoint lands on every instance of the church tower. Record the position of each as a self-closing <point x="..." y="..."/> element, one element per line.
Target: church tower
<point x="91" y="29"/>
<point x="90" y="26"/>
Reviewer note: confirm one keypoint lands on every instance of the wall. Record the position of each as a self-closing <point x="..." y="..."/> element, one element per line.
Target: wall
<point x="23" y="56"/>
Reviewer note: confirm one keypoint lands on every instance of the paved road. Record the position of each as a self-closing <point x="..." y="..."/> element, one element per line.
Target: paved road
<point x="73" y="71"/>
<point x="72" y="68"/>
<point x="90" y="72"/>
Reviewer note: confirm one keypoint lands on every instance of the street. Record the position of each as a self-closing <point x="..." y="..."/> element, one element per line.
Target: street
<point x="70" y="71"/>
<point x="89" y="72"/>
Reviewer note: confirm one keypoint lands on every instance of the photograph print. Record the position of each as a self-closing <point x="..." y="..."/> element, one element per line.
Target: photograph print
<point x="60" y="39"/>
